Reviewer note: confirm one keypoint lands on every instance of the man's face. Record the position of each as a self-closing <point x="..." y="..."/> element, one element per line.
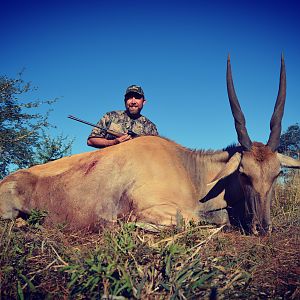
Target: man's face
<point x="134" y="103"/>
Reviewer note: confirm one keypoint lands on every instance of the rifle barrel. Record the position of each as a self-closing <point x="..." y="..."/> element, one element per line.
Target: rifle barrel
<point x="82" y="121"/>
<point x="114" y="133"/>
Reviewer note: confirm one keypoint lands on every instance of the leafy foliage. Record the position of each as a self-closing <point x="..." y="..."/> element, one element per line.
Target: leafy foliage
<point x="22" y="129"/>
<point x="52" y="148"/>
<point x="37" y="217"/>
<point x="290" y="141"/>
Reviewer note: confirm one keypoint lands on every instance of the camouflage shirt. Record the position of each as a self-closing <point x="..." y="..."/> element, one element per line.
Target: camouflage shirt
<point x="119" y="121"/>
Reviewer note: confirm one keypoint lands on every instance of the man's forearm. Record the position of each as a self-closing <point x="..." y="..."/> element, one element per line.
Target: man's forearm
<point x="98" y="142"/>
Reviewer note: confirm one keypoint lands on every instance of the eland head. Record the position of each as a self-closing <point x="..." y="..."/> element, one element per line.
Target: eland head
<point x="259" y="164"/>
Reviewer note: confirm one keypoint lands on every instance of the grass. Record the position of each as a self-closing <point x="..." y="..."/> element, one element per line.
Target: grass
<point x="124" y="261"/>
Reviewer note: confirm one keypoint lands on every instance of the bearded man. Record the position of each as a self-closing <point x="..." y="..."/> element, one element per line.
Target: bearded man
<point x="123" y="121"/>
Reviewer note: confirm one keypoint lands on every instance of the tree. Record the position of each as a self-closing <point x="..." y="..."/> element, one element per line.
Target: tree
<point x="290" y="141"/>
<point x="22" y="129"/>
<point x="52" y="148"/>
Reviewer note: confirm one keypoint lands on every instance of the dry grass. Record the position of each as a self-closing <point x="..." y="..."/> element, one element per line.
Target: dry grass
<point x="127" y="262"/>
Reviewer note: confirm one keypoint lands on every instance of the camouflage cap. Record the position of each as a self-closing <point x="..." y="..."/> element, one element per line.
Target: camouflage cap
<point x="135" y="89"/>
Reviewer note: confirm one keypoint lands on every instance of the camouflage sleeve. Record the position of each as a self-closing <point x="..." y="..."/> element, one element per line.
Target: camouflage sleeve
<point x="103" y="123"/>
<point x="152" y="129"/>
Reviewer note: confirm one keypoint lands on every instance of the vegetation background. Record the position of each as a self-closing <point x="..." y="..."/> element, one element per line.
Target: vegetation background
<point x="24" y="140"/>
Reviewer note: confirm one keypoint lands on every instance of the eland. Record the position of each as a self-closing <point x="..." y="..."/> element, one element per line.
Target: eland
<point x="153" y="179"/>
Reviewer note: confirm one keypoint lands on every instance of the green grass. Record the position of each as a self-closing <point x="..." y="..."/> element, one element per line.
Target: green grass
<point x="124" y="261"/>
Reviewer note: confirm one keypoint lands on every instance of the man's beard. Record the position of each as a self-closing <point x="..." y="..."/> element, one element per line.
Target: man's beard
<point x="134" y="110"/>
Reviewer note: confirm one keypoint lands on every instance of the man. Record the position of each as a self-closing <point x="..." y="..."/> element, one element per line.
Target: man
<point x="123" y="121"/>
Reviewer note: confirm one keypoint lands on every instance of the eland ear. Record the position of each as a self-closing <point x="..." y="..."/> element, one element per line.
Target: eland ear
<point x="230" y="167"/>
<point x="288" y="162"/>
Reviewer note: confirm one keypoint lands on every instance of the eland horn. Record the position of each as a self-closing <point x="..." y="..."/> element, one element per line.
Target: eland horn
<point x="275" y="124"/>
<point x="239" y="119"/>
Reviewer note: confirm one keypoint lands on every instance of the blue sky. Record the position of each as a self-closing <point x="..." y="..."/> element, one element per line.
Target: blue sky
<point x="87" y="52"/>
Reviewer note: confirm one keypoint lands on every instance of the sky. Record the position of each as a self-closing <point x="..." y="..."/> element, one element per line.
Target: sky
<point x="86" y="53"/>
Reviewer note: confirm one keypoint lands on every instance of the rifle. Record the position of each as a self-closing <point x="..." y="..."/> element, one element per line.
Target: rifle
<point x="112" y="132"/>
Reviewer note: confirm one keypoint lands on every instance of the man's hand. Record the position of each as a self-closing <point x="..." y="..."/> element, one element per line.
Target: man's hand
<point x="123" y="138"/>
